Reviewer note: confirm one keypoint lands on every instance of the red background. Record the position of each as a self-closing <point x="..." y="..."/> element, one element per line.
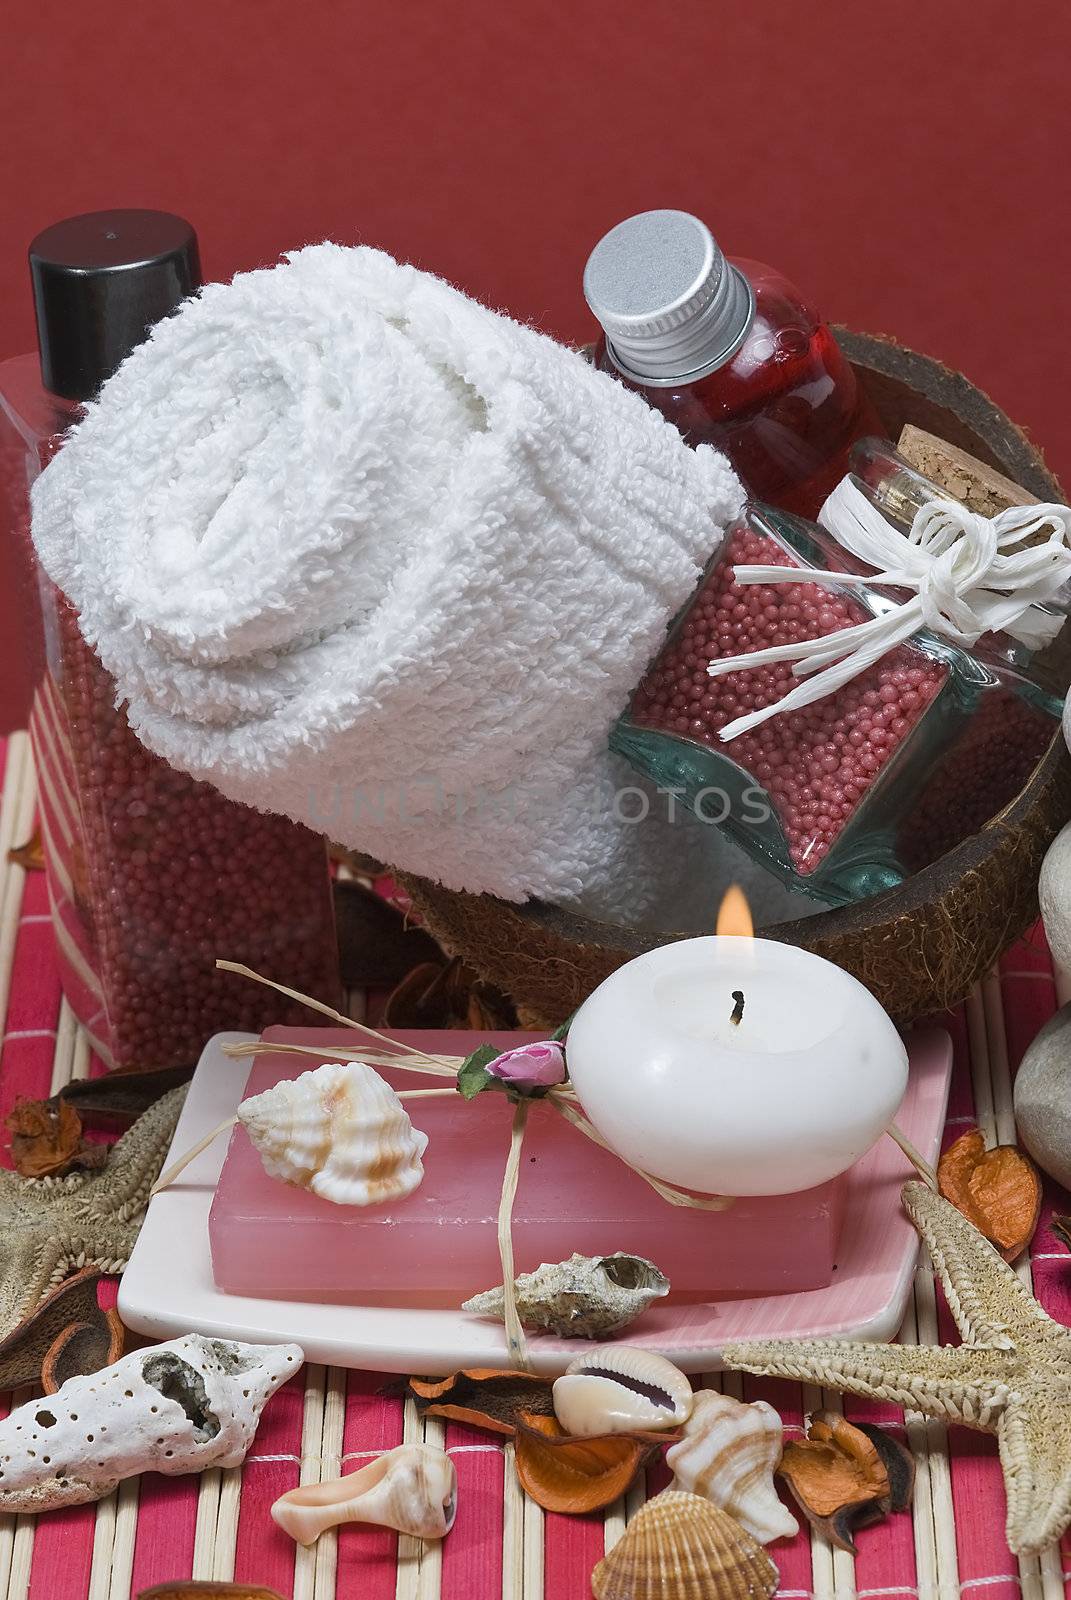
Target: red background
<point x="906" y="166"/>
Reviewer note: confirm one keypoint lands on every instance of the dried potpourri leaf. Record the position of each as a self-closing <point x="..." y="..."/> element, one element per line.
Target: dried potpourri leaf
<point x="83" y="1347"/>
<point x="484" y="1397"/>
<point x="207" y="1589"/>
<point x="122" y="1095"/>
<point x="450" y="996"/>
<point x="898" y="1461"/>
<point x="998" y="1190"/>
<point x="1061" y="1227"/>
<point x="26" y="1348"/>
<point x="31" y="855"/>
<point x="571" y="1475"/>
<point x="837" y="1477"/>
<point x="377" y="944"/>
<point x="46" y="1140"/>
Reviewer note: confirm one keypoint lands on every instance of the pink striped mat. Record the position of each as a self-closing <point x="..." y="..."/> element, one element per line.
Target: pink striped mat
<point x="502" y="1545"/>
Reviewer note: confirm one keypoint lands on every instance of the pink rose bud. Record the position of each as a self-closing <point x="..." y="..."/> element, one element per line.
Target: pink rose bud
<point x="530" y="1066"/>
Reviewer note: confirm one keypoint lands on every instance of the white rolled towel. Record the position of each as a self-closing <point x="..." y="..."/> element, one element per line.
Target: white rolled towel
<point x="359" y="550"/>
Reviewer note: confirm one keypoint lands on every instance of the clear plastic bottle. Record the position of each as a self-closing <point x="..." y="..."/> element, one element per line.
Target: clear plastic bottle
<point x="151" y="874"/>
<point x="847" y="796"/>
<point x="730" y="353"/>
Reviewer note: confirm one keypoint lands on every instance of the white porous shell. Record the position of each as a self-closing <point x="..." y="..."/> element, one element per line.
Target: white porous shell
<point x="609" y="1391"/>
<point x="340" y="1131"/>
<point x="412" y="1489"/>
<point x="178" y="1407"/>
<point x="728" y="1455"/>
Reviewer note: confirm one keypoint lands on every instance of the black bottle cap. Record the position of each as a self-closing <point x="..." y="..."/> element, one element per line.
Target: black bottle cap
<point x="100" y="282"/>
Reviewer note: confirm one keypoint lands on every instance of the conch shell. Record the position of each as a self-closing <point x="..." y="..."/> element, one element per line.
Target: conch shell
<point x="586" y="1297"/>
<point x="728" y="1455"/>
<point x="178" y="1407"/>
<point x="412" y="1489"/>
<point x="340" y="1131"/>
<point x="680" y="1546"/>
<point x="619" y="1389"/>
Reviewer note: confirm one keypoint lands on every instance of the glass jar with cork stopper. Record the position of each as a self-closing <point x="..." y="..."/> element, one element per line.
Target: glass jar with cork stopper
<point x="850" y="726"/>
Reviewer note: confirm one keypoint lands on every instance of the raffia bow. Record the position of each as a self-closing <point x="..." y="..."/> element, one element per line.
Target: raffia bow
<point x="970" y="575"/>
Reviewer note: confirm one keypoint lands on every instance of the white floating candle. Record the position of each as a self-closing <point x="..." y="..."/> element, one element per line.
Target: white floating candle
<point x="736" y="1066"/>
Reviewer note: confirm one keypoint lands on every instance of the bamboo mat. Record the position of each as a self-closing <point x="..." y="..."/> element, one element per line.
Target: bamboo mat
<point x="327" y="1421"/>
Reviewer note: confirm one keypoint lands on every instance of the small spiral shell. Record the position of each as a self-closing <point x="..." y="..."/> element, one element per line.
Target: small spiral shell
<point x="728" y="1455"/>
<point x="340" y="1131"/>
<point x="412" y="1489"/>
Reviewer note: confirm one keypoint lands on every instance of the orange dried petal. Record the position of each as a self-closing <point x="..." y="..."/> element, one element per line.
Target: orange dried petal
<point x="835" y="1466"/>
<point x="208" y="1589"/>
<point x="998" y="1190"/>
<point x="483" y="1397"/>
<point x="575" y="1475"/>
<point x="46" y="1139"/>
<point x="83" y="1347"/>
<point x="31" y="855"/>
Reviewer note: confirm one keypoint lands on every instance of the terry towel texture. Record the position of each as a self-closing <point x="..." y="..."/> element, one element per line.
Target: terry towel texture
<point x="359" y="550"/>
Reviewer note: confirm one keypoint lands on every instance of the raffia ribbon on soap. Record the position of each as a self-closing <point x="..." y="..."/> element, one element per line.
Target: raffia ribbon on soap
<point x="969" y="574"/>
<point x="405" y="1057"/>
<point x="395" y="1054"/>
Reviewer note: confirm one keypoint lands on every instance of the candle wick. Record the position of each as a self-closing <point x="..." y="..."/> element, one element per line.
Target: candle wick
<point x="738" y="1008"/>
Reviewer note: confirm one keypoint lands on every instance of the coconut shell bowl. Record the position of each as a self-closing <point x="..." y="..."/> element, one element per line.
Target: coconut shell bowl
<point x="919" y="947"/>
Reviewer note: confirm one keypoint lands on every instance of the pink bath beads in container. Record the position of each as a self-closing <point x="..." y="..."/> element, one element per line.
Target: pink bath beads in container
<point x="152" y="875"/>
<point x="847" y="795"/>
<point x="160" y="875"/>
<point x="816" y="765"/>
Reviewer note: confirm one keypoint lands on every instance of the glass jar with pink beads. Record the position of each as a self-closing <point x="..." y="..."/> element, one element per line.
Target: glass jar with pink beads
<point x="151" y="874"/>
<point x="848" y="700"/>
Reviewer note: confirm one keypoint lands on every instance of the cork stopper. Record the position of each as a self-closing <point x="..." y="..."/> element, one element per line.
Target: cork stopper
<point x="963" y="476"/>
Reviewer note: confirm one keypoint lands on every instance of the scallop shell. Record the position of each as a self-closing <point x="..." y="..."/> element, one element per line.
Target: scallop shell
<point x="728" y="1455"/>
<point x="340" y="1131"/>
<point x="412" y="1489"/>
<point x="586" y="1297"/>
<point x="680" y="1546"/>
<point x="617" y="1388"/>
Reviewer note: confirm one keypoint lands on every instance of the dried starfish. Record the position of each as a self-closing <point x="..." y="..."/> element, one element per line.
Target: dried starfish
<point x="1011" y="1375"/>
<point x="49" y="1226"/>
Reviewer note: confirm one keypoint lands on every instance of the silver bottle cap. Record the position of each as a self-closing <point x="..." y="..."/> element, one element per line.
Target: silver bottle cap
<point x="672" y="307"/>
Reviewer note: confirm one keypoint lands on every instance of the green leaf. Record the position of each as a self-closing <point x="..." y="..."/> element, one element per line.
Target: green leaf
<point x="558" y="1036"/>
<point x="473" y="1076"/>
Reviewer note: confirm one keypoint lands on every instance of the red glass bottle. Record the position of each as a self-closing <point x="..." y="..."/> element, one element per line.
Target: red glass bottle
<point x="151" y="875"/>
<point x="730" y="353"/>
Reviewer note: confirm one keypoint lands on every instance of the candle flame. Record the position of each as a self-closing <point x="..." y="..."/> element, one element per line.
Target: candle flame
<point x="734" y="915"/>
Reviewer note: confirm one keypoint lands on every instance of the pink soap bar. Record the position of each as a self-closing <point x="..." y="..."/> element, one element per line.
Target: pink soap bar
<point x="439" y="1244"/>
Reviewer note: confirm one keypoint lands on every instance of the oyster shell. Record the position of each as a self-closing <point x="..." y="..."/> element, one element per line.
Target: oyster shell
<point x="680" y="1545"/>
<point x="618" y="1389"/>
<point x="412" y="1489"/>
<point x="728" y="1455"/>
<point x="586" y="1297"/>
<point x="340" y="1131"/>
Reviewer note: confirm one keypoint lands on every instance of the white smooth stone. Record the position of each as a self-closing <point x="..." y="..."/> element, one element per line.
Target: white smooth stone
<point x="1042" y="1098"/>
<point x="1054" y="893"/>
